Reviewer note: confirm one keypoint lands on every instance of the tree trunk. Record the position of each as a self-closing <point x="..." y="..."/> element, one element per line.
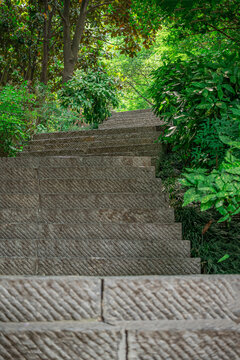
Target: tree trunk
<point x="71" y="47"/>
<point x="46" y="39"/>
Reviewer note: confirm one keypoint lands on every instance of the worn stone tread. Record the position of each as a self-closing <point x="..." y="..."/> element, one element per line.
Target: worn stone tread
<point x="99" y="266"/>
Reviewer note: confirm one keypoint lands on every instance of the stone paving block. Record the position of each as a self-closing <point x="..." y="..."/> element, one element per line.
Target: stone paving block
<point x="18" y="215"/>
<point x="117" y="266"/>
<point x="17" y="173"/>
<point x="105" y="186"/>
<point x="108" y="215"/>
<point x="112" y="248"/>
<point x="24" y="299"/>
<point x="112" y="173"/>
<point x="18" y="247"/>
<point x="185" y="341"/>
<point x="102" y="201"/>
<point x="19" y="186"/>
<point x="18" y="265"/>
<point x="20" y="231"/>
<point x="19" y="201"/>
<point x="172" y="298"/>
<point x="97" y="231"/>
<point x="62" y="340"/>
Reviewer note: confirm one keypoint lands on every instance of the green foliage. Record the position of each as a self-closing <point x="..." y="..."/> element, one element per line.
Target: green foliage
<point x="220" y="239"/>
<point x="210" y="245"/>
<point x="195" y="96"/>
<point x="91" y="93"/>
<point x="219" y="189"/>
<point x="17" y="118"/>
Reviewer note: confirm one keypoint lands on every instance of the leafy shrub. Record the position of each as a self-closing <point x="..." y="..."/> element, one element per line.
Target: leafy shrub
<point x="195" y="97"/>
<point x="92" y="93"/>
<point x="219" y="189"/>
<point x="17" y="118"/>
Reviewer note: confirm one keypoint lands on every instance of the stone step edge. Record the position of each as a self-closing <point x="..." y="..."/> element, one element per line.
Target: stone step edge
<point x="137" y="129"/>
<point x="141" y="325"/>
<point x="127" y="160"/>
<point x="104" y="137"/>
<point x="130" y="146"/>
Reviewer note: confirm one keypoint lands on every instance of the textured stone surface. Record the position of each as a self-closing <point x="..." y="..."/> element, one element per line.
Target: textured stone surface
<point x="117" y="266"/>
<point x="163" y="215"/>
<point x="185" y="341"/>
<point x="97" y="173"/>
<point x="172" y="298"/>
<point x="49" y="299"/>
<point x="97" y="231"/>
<point x="98" y="186"/>
<point x="99" y="201"/>
<point x="19" y="201"/>
<point x="70" y="161"/>
<point x="112" y="248"/>
<point x="18" y="265"/>
<point x="66" y="340"/>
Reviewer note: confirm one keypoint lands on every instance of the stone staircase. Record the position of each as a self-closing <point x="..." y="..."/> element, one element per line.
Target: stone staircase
<point x="89" y="215"/>
<point x="88" y="204"/>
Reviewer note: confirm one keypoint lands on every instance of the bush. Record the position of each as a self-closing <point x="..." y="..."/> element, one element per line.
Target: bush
<point x="17" y="118"/>
<point x="195" y="96"/>
<point x="93" y="93"/>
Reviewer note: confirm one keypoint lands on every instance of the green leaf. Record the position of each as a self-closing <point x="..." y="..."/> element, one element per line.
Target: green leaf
<point x="225" y="257"/>
<point x="206" y="206"/>
<point x="224" y="218"/>
<point x="190" y="196"/>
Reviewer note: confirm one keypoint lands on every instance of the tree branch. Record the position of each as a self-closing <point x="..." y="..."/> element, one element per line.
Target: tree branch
<point x="149" y="102"/>
<point x="222" y="32"/>
<point x="79" y="27"/>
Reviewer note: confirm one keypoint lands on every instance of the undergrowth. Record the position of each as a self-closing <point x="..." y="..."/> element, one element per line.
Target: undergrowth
<point x="210" y="240"/>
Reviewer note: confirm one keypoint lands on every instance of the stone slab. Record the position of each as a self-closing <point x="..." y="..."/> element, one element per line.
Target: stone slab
<point x="19" y="201"/>
<point x="172" y="298"/>
<point x="99" y="136"/>
<point x="108" y="215"/>
<point x="92" y="231"/>
<point x="185" y="341"/>
<point x="71" y="161"/>
<point x="61" y="340"/>
<point x="71" y="134"/>
<point x="84" y="186"/>
<point x="106" y="248"/>
<point x="118" y="266"/>
<point x="102" y="142"/>
<point x="24" y="299"/>
<point x="18" y="265"/>
<point x="98" y="201"/>
<point x="112" y="173"/>
<point x="97" y="231"/>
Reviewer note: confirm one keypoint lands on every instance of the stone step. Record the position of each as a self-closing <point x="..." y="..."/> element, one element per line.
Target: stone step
<point x="72" y="144"/>
<point x="76" y="161"/>
<point x="173" y="300"/>
<point x="80" y="186"/>
<point x="84" y="201"/>
<point x="92" y="139"/>
<point x="144" y="120"/>
<point x="58" y="215"/>
<point x="77" y="248"/>
<point x="131" y="231"/>
<point x="99" y="266"/>
<point x="117" y="173"/>
<point x="149" y="340"/>
<point x="95" y="153"/>
<point x="104" y="149"/>
<point x="123" y="125"/>
<point x="98" y="132"/>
